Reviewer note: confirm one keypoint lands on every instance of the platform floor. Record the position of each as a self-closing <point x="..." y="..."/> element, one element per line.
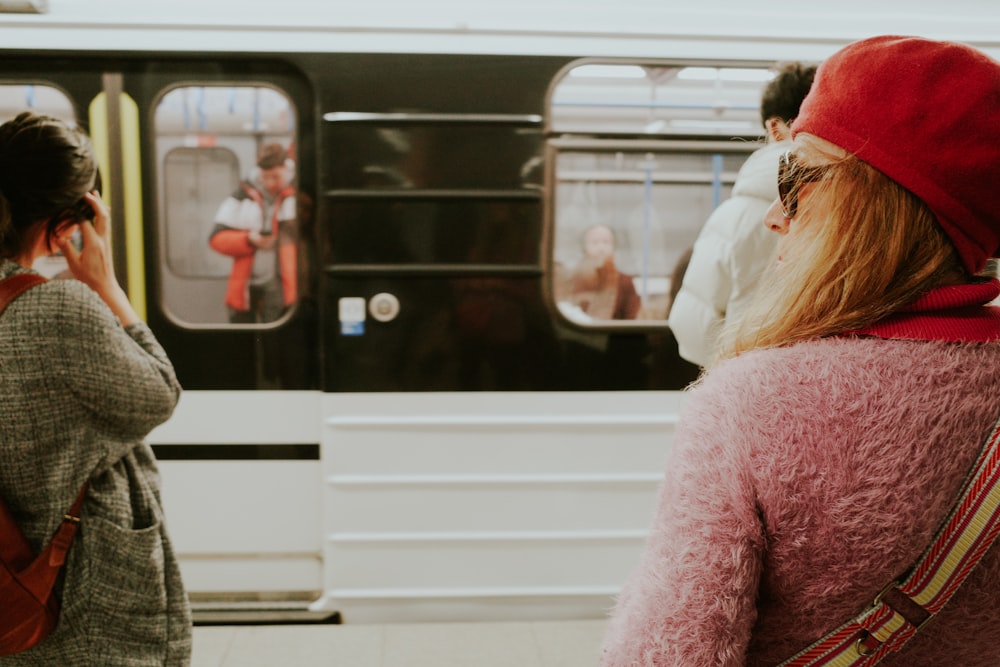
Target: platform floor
<point x="515" y="644"/>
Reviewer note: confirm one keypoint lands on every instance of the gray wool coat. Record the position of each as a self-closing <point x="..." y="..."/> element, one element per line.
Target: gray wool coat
<point x="78" y="393"/>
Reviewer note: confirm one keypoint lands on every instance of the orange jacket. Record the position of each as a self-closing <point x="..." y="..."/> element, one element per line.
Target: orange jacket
<point x="236" y="244"/>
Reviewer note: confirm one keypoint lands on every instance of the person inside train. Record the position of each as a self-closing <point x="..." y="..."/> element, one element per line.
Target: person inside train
<point x="83" y="382"/>
<point x="733" y="248"/>
<point x="256" y="226"/>
<point x="596" y="286"/>
<point x="814" y="462"/>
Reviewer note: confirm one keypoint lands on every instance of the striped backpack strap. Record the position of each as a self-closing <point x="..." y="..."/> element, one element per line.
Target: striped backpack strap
<point x="905" y="606"/>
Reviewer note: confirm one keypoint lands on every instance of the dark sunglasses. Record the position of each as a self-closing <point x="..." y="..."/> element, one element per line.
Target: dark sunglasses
<point x="791" y="176"/>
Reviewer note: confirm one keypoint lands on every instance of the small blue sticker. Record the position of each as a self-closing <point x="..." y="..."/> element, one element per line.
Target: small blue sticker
<point x="352" y="315"/>
<point x="352" y="328"/>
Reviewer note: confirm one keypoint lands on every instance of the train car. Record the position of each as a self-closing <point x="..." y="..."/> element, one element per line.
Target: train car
<point x="433" y="427"/>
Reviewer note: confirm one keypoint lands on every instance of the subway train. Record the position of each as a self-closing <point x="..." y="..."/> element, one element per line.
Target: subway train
<point x="438" y="426"/>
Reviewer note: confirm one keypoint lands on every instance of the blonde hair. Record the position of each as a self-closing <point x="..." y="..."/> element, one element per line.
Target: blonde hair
<point x="872" y="248"/>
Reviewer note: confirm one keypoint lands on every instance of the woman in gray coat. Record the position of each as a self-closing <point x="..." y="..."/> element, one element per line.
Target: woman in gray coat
<point x="82" y="382"/>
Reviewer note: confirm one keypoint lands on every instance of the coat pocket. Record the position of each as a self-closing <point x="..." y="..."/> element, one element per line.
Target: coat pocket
<point x="117" y="591"/>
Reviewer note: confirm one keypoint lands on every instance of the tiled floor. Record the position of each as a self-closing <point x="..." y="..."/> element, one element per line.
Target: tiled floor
<point x="527" y="644"/>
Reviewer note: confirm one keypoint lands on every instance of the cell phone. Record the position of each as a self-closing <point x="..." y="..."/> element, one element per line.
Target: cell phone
<point x="82" y="210"/>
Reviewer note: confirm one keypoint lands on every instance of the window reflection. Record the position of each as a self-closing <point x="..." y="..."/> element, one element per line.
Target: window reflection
<point x="228" y="223"/>
<point x="643" y="155"/>
<point x="385" y="156"/>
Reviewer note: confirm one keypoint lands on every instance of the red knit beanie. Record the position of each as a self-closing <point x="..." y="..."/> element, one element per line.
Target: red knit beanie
<point x="927" y="115"/>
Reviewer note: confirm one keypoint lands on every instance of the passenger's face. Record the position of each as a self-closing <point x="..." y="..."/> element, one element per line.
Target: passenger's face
<point x="599" y="243"/>
<point x="796" y="182"/>
<point x="274" y="179"/>
<point x="793" y="231"/>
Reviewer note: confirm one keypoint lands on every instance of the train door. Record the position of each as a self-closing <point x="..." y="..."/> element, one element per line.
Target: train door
<point x="472" y="470"/>
<point x="230" y="167"/>
<point x="486" y="454"/>
<point x="460" y="483"/>
<point x="173" y="141"/>
<point x="240" y="457"/>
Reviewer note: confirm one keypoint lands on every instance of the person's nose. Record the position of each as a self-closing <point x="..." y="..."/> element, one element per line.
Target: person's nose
<point x="775" y="220"/>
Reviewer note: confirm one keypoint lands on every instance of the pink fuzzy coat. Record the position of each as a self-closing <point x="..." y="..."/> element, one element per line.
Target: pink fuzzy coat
<point x="802" y="480"/>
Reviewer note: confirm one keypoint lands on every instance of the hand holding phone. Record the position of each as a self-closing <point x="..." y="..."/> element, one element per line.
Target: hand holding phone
<point x="260" y="240"/>
<point x="92" y="264"/>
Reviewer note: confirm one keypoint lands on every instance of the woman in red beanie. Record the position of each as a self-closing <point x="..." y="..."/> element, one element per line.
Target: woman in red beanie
<point x="816" y="460"/>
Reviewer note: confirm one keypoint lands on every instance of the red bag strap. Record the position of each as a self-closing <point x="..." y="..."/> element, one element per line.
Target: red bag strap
<point x="905" y="606"/>
<point x="15" y="285"/>
<point x="40" y="576"/>
<point x="16" y="548"/>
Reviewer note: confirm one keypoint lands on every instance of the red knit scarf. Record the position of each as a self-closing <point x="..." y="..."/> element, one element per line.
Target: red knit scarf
<point x="954" y="314"/>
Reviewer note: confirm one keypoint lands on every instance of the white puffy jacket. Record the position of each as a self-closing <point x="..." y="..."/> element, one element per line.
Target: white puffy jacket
<point x="731" y="251"/>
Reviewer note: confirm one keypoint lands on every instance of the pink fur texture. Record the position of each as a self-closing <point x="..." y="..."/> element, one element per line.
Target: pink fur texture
<point x="801" y="481"/>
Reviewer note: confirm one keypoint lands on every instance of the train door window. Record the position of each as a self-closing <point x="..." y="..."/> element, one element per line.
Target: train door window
<point x="227" y="223"/>
<point x="640" y="155"/>
<point x="43" y="100"/>
<point x="38" y="98"/>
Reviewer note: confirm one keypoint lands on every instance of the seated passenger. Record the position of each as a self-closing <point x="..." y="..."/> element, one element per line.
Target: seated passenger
<point x="596" y="286"/>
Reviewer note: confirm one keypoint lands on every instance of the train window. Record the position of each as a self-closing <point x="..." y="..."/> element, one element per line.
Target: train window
<point x="227" y="224"/>
<point x="641" y="156"/>
<point x="442" y="231"/>
<point x="413" y="188"/>
<point x="38" y="98"/>
<point x="432" y="154"/>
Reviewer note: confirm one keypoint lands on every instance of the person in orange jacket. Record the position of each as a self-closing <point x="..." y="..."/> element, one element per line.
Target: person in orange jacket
<point x="256" y="226"/>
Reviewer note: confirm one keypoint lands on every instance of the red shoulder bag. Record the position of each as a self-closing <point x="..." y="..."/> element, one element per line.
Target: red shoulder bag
<point x="28" y="609"/>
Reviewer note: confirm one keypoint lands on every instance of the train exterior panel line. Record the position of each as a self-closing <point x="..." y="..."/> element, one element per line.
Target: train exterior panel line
<point x="432" y="415"/>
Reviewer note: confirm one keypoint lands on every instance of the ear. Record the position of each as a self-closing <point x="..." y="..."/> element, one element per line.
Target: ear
<point x="777" y="129"/>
